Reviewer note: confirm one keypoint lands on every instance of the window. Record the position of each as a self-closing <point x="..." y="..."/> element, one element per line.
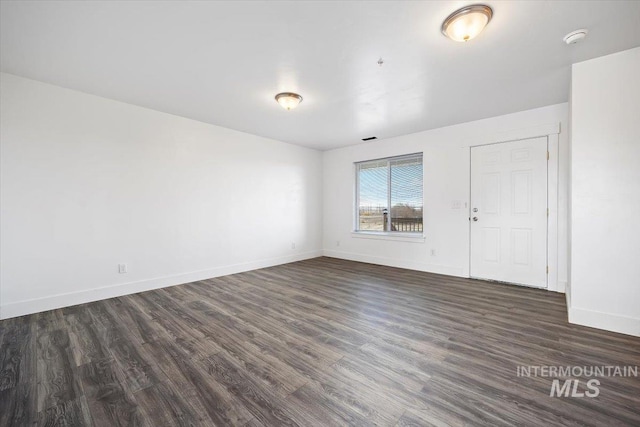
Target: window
<point x="389" y="195"/>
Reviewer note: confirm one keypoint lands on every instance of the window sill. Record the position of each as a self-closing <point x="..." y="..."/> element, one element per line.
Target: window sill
<point x="397" y="236"/>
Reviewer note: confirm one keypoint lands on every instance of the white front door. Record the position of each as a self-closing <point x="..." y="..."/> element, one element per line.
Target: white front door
<point x="508" y="212"/>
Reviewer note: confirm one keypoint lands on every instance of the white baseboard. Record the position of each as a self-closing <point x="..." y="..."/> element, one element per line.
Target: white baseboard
<point x="600" y="320"/>
<point x="391" y="262"/>
<point x="37" y="305"/>
<point x="606" y="321"/>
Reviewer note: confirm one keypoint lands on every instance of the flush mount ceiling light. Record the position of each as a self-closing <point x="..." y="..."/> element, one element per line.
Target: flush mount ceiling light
<point x="288" y="100"/>
<point x="466" y="23"/>
<point x="575" y="36"/>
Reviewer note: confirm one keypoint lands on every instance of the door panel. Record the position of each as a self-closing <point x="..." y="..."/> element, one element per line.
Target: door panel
<point x="491" y="194"/>
<point x="509" y="212"/>
<point x="490" y="244"/>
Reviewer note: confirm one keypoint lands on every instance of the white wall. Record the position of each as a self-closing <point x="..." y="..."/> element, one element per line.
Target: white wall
<point x="446" y="179"/>
<point x="605" y="155"/>
<point x="87" y="183"/>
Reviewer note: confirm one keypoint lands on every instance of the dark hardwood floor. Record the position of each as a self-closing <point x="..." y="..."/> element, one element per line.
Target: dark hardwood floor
<point x="315" y="343"/>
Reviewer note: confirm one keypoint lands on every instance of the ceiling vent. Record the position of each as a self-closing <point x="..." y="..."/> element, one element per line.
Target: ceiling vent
<point x="370" y="138"/>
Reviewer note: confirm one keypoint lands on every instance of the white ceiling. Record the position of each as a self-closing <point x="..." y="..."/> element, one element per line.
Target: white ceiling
<point x="223" y="62"/>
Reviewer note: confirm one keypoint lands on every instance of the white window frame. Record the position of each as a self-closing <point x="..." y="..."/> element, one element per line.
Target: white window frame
<point x="388" y="235"/>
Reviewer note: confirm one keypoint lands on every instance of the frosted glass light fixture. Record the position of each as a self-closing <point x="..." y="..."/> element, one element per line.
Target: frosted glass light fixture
<point x="466" y="23"/>
<point x="288" y="100"/>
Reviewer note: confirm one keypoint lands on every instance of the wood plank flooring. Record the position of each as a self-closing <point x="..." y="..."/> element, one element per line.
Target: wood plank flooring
<point x="320" y="342"/>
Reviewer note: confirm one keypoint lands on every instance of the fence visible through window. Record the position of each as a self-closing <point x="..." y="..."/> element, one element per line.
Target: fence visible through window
<point x="389" y="195"/>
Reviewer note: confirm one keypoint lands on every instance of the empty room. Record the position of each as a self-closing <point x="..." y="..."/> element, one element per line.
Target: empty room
<point x="319" y="213"/>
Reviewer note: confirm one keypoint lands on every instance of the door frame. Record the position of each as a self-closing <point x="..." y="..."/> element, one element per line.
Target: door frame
<point x="551" y="132"/>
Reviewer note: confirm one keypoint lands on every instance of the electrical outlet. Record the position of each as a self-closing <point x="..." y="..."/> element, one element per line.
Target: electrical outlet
<point x="337" y="242"/>
<point x="293" y="246"/>
<point x="122" y="268"/>
<point x="433" y="252"/>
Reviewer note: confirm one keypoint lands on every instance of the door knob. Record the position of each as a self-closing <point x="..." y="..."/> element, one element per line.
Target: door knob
<point x="475" y="218"/>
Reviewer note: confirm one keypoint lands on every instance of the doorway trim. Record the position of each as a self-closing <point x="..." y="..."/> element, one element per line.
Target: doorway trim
<point x="551" y="132"/>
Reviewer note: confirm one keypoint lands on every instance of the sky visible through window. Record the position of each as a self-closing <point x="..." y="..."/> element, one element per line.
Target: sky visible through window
<point x="406" y="184"/>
